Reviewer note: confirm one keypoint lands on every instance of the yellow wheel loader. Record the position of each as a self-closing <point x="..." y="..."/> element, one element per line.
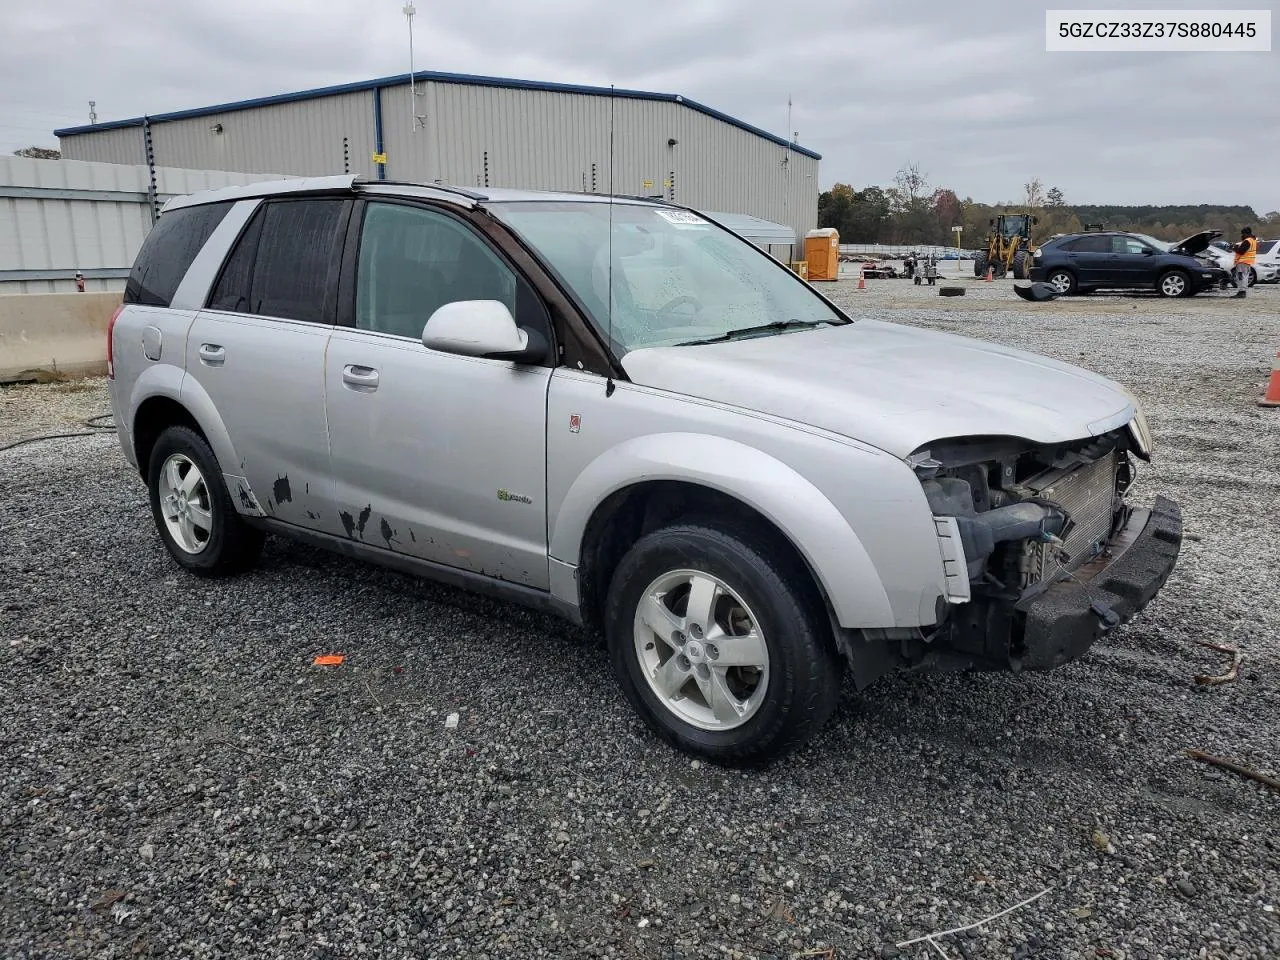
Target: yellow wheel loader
<point x="1009" y="247"/>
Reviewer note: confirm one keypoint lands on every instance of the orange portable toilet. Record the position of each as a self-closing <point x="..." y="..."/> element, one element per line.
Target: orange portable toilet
<point x="822" y="251"/>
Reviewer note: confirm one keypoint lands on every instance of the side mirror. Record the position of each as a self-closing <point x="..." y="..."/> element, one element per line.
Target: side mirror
<point x="482" y="328"/>
<point x="1148" y="252"/>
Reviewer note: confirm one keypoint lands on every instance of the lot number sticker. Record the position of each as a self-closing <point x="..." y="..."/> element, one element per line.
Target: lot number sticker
<point x="682" y="218"/>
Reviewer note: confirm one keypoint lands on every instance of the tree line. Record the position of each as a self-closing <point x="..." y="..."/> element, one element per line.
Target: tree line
<point x="912" y="212"/>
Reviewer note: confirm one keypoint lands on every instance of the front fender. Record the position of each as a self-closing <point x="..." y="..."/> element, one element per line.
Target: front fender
<point x="793" y="504"/>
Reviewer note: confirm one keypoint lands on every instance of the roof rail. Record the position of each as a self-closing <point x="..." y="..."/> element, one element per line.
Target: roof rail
<point x="446" y="187"/>
<point x="264" y="188"/>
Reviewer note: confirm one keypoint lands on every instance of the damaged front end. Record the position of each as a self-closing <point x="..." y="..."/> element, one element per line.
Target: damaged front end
<point x="1042" y="554"/>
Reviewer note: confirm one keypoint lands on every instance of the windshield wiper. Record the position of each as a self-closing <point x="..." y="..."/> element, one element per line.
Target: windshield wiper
<point x="752" y="331"/>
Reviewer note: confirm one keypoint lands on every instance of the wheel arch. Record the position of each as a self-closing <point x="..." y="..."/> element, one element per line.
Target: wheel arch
<point x="164" y="396"/>
<point x="658" y="479"/>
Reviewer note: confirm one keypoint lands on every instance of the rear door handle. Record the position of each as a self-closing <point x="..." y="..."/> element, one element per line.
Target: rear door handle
<point x="212" y="355"/>
<point x="360" y="378"/>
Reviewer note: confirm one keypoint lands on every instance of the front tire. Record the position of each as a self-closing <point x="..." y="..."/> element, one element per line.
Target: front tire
<point x="980" y="266"/>
<point x="722" y="649"/>
<point x="1064" y="281"/>
<point x="1174" y="283"/>
<point x="1022" y="265"/>
<point x="192" y="509"/>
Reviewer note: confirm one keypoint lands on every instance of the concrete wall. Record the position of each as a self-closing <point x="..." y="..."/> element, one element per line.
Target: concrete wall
<point x="51" y="335"/>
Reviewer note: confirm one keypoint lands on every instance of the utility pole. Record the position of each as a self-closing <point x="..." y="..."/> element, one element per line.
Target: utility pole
<point x="786" y="170"/>
<point x="93" y="111"/>
<point x="409" y="10"/>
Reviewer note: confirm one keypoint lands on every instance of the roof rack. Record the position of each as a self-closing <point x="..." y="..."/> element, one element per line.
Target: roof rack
<point x="446" y="187"/>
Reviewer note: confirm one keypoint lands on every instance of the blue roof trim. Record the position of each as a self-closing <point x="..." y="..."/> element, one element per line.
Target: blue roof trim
<point x="460" y="78"/>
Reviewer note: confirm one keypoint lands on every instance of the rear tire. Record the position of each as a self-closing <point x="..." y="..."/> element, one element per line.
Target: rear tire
<point x="689" y="596"/>
<point x="980" y="265"/>
<point x="192" y="509"/>
<point x="1174" y="283"/>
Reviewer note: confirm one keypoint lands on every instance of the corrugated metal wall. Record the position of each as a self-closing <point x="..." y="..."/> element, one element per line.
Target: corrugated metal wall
<point x="124" y="145"/>
<point x="533" y="139"/>
<point x="83" y="216"/>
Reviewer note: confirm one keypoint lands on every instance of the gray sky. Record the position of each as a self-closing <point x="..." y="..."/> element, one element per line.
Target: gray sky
<point x="965" y="89"/>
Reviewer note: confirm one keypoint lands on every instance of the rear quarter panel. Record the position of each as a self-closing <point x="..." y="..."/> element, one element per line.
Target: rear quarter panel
<point x="148" y="346"/>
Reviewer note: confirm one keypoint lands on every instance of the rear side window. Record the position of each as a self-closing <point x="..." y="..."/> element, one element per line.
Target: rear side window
<point x="1097" y="244"/>
<point x="167" y="252"/>
<point x="281" y="264"/>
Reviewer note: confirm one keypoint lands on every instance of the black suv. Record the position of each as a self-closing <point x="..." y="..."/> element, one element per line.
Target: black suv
<point x="1080" y="262"/>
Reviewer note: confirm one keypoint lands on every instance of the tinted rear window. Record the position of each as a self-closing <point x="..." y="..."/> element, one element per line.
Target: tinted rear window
<point x="1098" y="244"/>
<point x="281" y="263"/>
<point x="168" y="251"/>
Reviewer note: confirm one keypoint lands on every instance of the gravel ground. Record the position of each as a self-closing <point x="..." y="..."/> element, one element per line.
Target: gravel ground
<point x="177" y="779"/>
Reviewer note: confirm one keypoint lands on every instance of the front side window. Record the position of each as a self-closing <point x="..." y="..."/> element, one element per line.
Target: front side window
<point x="281" y="263"/>
<point x="653" y="276"/>
<point x="1127" y="245"/>
<point x="1266" y="246"/>
<point x="414" y="260"/>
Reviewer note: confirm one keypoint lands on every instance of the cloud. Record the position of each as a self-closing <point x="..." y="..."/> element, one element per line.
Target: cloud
<point x="967" y="91"/>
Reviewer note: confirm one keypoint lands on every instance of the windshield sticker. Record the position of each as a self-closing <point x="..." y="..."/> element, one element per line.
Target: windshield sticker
<point x="682" y="218"/>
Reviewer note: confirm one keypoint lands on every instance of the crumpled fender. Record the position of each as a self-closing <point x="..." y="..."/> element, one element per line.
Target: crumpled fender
<point x="794" y="505"/>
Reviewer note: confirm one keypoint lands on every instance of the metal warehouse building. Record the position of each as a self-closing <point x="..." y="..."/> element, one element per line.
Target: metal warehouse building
<point x="483" y="131"/>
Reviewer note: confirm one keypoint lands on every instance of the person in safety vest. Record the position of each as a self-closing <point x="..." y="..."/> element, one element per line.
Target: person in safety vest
<point x="1246" y="255"/>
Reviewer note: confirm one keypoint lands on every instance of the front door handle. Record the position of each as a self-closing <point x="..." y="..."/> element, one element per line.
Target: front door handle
<point x="212" y="355"/>
<point x="360" y="378"/>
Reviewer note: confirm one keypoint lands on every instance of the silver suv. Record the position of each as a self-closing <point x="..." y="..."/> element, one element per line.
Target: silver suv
<point x="619" y="411"/>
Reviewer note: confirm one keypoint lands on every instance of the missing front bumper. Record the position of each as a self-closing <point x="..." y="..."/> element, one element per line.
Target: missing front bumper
<point x="1053" y="626"/>
<point x="1068" y="618"/>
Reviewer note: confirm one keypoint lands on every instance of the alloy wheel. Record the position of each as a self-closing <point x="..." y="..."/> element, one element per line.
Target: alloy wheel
<point x="185" y="503"/>
<point x="1061" y="282"/>
<point x="701" y="650"/>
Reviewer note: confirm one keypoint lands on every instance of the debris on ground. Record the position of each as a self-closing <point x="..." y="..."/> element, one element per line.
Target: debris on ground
<point x="1234" y="767"/>
<point x="932" y="938"/>
<point x="1036" y="292"/>
<point x="1232" y="672"/>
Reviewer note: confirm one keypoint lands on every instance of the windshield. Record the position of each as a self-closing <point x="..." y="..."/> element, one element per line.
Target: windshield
<point x="1158" y="244"/>
<point x="676" y="277"/>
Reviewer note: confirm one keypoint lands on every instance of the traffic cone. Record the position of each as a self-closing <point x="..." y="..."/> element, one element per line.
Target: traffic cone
<point x="1272" y="397"/>
<point x="991" y="274"/>
<point x="862" y="280"/>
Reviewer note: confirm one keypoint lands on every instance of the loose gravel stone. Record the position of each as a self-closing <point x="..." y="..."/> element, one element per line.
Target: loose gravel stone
<point x="300" y="811"/>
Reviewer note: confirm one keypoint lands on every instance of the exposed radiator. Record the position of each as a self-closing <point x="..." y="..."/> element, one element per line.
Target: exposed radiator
<point x="1088" y="494"/>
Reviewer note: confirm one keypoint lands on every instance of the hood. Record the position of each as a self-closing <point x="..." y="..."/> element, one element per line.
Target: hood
<point x="894" y="387"/>
<point x="1196" y="243"/>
